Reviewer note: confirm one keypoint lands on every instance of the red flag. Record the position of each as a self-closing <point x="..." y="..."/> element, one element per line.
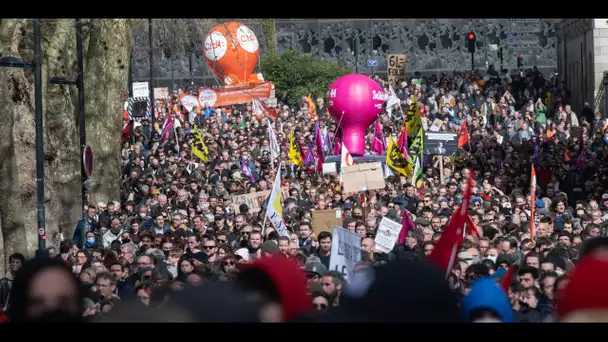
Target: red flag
<point x="505" y="283"/>
<point x="463" y="134"/>
<point x="402" y="140"/>
<point x="406" y="226"/>
<point x="379" y="143"/>
<point x="472" y="229"/>
<point x="302" y="152"/>
<point x="566" y="153"/>
<point x="532" y="200"/>
<point x="126" y="131"/>
<point x="446" y="249"/>
<point x="580" y="162"/>
<point x="338" y="142"/>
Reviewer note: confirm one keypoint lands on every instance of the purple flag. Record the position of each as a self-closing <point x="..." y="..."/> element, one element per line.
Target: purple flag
<point x="246" y="170"/>
<point x="319" y="146"/>
<point x="168" y="125"/>
<point x="310" y="155"/>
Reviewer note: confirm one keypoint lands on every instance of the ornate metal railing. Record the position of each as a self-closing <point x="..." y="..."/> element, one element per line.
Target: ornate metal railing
<point x="432" y="45"/>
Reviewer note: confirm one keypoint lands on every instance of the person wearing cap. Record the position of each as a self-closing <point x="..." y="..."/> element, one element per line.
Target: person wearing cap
<point x="269" y="248"/>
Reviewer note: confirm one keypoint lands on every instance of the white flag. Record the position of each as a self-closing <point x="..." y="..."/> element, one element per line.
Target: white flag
<point x="345" y="160"/>
<point x="274" y="209"/>
<point x="275" y="150"/>
<point x="392" y="100"/>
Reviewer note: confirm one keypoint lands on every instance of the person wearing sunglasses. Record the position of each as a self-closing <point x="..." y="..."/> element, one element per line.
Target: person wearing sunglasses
<point x="320" y="301"/>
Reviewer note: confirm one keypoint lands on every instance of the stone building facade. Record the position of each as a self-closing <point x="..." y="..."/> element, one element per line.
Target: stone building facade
<point x="432" y="45"/>
<point x="583" y="59"/>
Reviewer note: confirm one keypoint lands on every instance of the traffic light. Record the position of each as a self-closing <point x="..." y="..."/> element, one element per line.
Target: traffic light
<point x="471" y="42"/>
<point x="520" y="61"/>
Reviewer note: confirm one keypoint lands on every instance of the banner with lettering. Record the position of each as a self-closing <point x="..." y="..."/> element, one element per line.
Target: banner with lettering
<point x="345" y="252"/>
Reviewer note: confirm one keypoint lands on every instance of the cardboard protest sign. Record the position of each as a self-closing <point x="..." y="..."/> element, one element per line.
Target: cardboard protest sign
<point x="325" y="220"/>
<point x="396" y="68"/>
<point x="254" y="201"/>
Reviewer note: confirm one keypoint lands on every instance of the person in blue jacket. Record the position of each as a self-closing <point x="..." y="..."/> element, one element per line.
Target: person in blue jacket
<point x="487" y="302"/>
<point x="91" y="224"/>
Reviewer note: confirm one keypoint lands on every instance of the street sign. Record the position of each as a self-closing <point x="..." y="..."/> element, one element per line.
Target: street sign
<point x="87" y="161"/>
<point x="372" y="63"/>
<point x="523" y="40"/>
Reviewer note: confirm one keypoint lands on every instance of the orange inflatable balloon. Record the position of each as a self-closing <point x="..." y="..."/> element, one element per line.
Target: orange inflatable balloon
<point x="231" y="51"/>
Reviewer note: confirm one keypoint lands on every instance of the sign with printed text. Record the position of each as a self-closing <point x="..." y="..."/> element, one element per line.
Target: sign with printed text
<point x="372" y="63"/>
<point x="141" y="89"/>
<point x="255" y="201"/>
<point x="387" y="234"/>
<point x="396" y="68"/>
<point x="345" y="252"/>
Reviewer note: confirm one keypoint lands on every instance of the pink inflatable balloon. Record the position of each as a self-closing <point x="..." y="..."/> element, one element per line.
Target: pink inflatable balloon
<point x="354" y="102"/>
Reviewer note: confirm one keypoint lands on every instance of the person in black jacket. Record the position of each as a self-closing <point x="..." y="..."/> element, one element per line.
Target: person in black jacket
<point x="123" y="290"/>
<point x="6" y="283"/>
<point x="529" y="311"/>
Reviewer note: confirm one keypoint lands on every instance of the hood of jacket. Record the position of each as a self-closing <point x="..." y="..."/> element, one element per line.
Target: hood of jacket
<point x="290" y="282"/>
<point x="486" y="294"/>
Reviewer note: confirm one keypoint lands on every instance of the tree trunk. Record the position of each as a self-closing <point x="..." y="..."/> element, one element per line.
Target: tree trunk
<point x="270" y="31"/>
<point x="106" y="78"/>
<point x="61" y="138"/>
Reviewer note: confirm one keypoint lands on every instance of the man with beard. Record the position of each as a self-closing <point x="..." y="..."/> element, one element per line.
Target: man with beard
<point x="113" y="233"/>
<point x="123" y="290"/>
<point x="332" y="283"/>
<point x="305" y="237"/>
<point x="324" y="250"/>
<point x="255" y="241"/>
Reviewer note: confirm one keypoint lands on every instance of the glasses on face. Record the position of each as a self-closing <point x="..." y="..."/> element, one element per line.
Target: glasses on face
<point x="245" y="233"/>
<point x="229" y="263"/>
<point x="312" y="276"/>
<point x="321" y="306"/>
<point x="209" y="247"/>
<point x="222" y="240"/>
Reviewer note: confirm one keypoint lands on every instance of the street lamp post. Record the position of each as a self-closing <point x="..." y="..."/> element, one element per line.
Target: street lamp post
<point x="79" y="83"/>
<point x="13" y="62"/>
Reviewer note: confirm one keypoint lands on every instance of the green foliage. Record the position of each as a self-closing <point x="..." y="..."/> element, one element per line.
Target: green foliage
<point x="295" y="74"/>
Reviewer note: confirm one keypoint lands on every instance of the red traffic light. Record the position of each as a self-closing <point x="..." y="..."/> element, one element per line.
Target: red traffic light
<point x="521" y="55"/>
<point x="471" y="36"/>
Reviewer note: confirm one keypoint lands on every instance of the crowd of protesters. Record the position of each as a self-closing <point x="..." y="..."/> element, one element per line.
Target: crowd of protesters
<point x="175" y="242"/>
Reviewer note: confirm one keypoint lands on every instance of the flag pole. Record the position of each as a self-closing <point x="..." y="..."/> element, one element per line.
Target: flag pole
<point x="278" y="169"/>
<point x="331" y="142"/>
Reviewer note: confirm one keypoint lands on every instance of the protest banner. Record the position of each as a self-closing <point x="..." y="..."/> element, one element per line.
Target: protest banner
<point x="325" y="220"/>
<point x="161" y="93"/>
<point x="218" y="97"/>
<point x="387" y="234"/>
<point x="345" y="252"/>
<point x="254" y="201"/>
